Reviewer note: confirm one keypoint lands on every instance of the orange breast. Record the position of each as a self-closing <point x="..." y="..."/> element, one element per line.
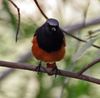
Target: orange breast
<point x="40" y="54"/>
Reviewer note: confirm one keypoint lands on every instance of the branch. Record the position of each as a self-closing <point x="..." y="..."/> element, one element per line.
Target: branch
<point x="46" y="70"/>
<point x="79" y="25"/>
<point x="88" y="66"/>
<point x="79" y="39"/>
<point x="23" y="58"/>
<point x="40" y="9"/>
<point x="85" y="13"/>
<point x="18" y="24"/>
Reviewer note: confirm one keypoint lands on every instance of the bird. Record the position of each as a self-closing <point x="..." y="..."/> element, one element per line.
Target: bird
<point x="48" y="43"/>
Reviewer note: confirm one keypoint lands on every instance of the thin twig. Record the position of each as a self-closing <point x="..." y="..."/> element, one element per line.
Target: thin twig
<point x="18" y="24"/>
<point x="88" y="66"/>
<point x="47" y="70"/>
<point x="85" y="13"/>
<point x="40" y="9"/>
<point x="79" y="39"/>
<point x="95" y="31"/>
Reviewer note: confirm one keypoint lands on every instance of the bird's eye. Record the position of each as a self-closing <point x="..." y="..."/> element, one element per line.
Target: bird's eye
<point x="53" y="29"/>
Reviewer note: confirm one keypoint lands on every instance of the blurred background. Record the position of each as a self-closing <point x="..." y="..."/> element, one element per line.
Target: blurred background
<point x="27" y="84"/>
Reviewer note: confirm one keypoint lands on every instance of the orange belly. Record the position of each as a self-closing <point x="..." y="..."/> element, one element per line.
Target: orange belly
<point x="42" y="55"/>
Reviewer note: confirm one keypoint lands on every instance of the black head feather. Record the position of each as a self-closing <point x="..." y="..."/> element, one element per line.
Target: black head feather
<point x="49" y="36"/>
<point x="52" y="22"/>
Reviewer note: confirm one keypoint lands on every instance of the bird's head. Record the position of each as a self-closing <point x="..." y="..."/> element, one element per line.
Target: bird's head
<point x="52" y="24"/>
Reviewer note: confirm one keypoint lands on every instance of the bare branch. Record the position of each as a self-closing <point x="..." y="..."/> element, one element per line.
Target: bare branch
<point x="79" y="25"/>
<point x="88" y="66"/>
<point x="23" y="58"/>
<point x="79" y="39"/>
<point x="40" y="9"/>
<point x="18" y="24"/>
<point x="85" y="13"/>
<point x="46" y="70"/>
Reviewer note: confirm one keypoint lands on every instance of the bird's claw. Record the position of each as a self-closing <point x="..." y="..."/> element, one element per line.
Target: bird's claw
<point x="38" y="67"/>
<point x="55" y="71"/>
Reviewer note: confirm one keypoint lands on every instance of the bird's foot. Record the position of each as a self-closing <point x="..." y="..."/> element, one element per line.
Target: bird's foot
<point x="54" y="69"/>
<point x="38" y="67"/>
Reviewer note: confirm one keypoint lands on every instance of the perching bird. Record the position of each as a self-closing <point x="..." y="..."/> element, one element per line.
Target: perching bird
<point x="48" y="43"/>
